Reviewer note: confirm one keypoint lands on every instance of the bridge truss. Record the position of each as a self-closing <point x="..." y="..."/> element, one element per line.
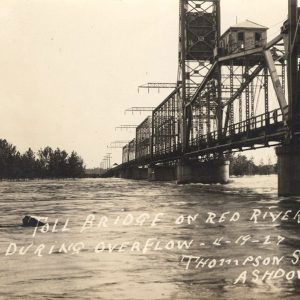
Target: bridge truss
<point x="222" y="100"/>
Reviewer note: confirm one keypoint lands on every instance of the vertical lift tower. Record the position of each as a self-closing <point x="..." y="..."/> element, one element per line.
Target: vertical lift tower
<point x="199" y="34"/>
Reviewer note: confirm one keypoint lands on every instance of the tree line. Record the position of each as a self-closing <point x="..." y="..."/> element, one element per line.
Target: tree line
<point x="240" y="165"/>
<point x="46" y="163"/>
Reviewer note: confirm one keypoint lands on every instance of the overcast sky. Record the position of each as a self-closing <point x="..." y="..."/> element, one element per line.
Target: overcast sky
<point x="69" y="68"/>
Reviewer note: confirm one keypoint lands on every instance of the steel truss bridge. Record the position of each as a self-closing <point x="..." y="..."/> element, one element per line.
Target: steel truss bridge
<point x="222" y="99"/>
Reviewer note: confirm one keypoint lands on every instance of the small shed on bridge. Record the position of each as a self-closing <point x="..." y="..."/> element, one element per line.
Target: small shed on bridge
<point x="243" y="36"/>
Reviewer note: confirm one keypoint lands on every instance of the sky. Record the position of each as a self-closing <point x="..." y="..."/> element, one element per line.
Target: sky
<point x="70" y="68"/>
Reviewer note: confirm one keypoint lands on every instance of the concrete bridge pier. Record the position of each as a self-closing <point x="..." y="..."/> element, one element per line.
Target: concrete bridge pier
<point x="140" y="173"/>
<point x="127" y="173"/>
<point x="161" y="173"/>
<point x="119" y="174"/>
<point x="288" y="170"/>
<point x="213" y="171"/>
<point x="134" y="173"/>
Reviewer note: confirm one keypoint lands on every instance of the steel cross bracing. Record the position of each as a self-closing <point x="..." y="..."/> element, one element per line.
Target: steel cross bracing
<point x="199" y="33"/>
<point x="198" y="37"/>
<point x="223" y="101"/>
<point x="245" y="105"/>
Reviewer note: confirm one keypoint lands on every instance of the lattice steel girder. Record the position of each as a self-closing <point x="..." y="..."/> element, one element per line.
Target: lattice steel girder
<point x="274" y="41"/>
<point x="231" y="108"/>
<point x="202" y="85"/>
<point x="165" y="126"/>
<point x="247" y="92"/>
<point x="143" y="138"/>
<point x="201" y="29"/>
<point x="256" y="51"/>
<point x="198" y="36"/>
<point x="277" y="85"/>
<point x="244" y="55"/>
<point x="244" y="85"/>
<point x="266" y="86"/>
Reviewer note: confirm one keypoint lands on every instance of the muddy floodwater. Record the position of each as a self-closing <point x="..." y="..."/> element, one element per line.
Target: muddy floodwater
<point x="125" y="239"/>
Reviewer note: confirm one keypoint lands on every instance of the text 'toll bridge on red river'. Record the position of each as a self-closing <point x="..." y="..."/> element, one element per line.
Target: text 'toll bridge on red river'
<point x="221" y="102"/>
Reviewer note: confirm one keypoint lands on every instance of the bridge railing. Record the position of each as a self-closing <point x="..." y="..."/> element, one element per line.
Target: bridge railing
<point x="256" y="122"/>
<point x="165" y="147"/>
<point x="247" y="126"/>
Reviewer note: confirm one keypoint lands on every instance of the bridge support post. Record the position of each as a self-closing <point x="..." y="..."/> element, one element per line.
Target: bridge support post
<point x="288" y="170"/>
<point x="161" y="173"/>
<point x="213" y="171"/>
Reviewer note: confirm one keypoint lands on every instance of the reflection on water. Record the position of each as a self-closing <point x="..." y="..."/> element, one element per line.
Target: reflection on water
<point x="132" y="274"/>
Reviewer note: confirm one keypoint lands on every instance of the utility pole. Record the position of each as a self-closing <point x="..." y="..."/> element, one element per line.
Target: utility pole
<point x="108" y="156"/>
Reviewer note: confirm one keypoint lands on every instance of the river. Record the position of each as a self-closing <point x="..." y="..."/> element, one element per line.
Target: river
<point x="101" y="270"/>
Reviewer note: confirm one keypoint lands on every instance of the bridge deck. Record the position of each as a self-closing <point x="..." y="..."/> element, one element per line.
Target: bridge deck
<point x="255" y="132"/>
